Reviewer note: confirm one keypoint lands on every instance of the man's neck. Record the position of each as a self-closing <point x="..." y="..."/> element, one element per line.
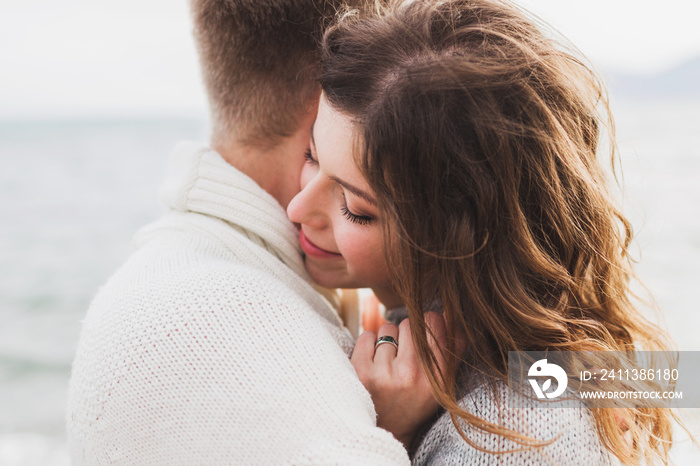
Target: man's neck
<point x="276" y="169"/>
<point x="268" y="168"/>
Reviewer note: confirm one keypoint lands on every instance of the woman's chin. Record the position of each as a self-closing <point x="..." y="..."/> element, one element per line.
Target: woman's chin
<point x="330" y="278"/>
<point x="327" y="281"/>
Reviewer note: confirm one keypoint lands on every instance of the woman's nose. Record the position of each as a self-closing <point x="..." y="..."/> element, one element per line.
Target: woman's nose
<point x="308" y="206"/>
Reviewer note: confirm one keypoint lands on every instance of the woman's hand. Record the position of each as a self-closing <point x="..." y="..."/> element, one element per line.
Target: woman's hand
<point x="395" y="378"/>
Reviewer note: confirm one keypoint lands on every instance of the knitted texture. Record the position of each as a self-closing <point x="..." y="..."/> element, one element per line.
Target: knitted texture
<point x="573" y="431"/>
<point x="575" y="435"/>
<point x="210" y="346"/>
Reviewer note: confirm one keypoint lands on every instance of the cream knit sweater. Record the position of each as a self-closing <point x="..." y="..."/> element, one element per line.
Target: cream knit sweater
<point x="210" y="346"/>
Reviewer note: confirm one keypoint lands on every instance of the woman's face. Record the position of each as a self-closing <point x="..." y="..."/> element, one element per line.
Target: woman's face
<point x="341" y="226"/>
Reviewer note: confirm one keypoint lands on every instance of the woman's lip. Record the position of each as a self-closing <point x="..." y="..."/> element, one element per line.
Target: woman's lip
<point x="312" y="250"/>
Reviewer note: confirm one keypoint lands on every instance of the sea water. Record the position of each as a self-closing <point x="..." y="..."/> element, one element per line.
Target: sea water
<point x="72" y="194"/>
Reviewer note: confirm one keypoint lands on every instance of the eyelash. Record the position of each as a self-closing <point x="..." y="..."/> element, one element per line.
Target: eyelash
<point x="357" y="219"/>
<point x="309" y="158"/>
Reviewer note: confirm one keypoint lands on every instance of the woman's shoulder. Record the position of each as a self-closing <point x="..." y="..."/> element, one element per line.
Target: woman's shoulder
<point x="571" y="430"/>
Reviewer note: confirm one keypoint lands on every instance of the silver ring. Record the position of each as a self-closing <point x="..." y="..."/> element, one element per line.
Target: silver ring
<point x="386" y="339"/>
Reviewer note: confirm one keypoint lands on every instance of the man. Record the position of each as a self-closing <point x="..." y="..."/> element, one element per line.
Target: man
<point x="210" y="346"/>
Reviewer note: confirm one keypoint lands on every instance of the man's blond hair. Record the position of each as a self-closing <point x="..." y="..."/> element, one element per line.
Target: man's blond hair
<point x="259" y="61"/>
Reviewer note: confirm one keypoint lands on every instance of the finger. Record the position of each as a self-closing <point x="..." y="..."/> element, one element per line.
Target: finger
<point x="407" y="351"/>
<point x="386" y="353"/>
<point x="436" y="335"/>
<point x="363" y="353"/>
<point x="408" y="364"/>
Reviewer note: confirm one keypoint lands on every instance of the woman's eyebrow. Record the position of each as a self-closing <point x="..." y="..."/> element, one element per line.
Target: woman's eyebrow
<point x="356" y="191"/>
<point x="313" y="141"/>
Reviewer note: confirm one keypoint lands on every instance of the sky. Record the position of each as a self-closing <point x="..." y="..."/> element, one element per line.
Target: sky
<point x="84" y="58"/>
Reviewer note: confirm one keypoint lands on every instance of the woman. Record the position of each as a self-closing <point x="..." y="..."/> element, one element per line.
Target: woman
<point x="453" y="165"/>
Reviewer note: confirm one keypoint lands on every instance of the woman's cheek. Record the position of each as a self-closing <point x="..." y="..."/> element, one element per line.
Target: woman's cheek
<point x="347" y="240"/>
<point x="362" y="249"/>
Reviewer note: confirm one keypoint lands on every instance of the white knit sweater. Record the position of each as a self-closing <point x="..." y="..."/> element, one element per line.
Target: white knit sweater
<point x="210" y="346"/>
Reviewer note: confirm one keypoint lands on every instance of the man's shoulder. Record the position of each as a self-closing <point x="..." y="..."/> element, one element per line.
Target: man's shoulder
<point x="185" y="301"/>
<point x="185" y="273"/>
<point x="154" y="278"/>
<point x="180" y="247"/>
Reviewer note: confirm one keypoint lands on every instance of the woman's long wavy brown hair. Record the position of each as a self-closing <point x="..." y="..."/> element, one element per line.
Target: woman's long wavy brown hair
<point x="479" y="136"/>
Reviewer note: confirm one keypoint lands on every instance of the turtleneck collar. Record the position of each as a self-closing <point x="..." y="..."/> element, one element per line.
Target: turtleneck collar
<point x="200" y="180"/>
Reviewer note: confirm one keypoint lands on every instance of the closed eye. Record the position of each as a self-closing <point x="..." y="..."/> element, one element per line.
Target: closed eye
<point x="310" y="158"/>
<point x="357" y="219"/>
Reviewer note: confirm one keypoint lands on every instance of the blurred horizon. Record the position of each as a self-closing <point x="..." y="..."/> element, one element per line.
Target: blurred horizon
<point x="84" y="59"/>
<point x="680" y="82"/>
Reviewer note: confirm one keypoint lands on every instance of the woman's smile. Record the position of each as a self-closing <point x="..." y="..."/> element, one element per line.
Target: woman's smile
<point x="310" y="249"/>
